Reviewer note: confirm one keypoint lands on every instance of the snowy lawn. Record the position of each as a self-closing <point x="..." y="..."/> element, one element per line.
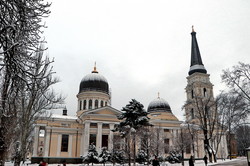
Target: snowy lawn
<point x="197" y="163"/>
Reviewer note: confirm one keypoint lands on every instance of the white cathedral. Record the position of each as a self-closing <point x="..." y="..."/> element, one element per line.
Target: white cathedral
<point x="63" y="137"/>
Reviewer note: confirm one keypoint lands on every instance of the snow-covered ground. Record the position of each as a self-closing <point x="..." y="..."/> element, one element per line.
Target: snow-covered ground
<point x="197" y="163"/>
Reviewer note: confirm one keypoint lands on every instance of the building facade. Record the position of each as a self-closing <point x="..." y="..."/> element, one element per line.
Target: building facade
<point x="63" y="137"/>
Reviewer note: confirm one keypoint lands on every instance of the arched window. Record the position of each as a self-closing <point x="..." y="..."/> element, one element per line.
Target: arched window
<point x="90" y="104"/>
<point x="84" y="104"/>
<point x="192" y="94"/>
<point x="96" y="103"/>
<point x="205" y="92"/>
<point x="101" y="103"/>
<point x="80" y="105"/>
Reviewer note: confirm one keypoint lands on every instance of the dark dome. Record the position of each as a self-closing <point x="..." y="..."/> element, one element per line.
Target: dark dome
<point x="159" y="105"/>
<point x="94" y="82"/>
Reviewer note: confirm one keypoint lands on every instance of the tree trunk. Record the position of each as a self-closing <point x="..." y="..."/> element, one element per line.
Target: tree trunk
<point x="129" y="155"/>
<point x="134" y="149"/>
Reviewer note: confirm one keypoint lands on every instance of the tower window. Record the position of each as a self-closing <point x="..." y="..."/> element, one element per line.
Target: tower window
<point x="90" y="104"/>
<point x="96" y="103"/>
<point x="80" y="104"/>
<point x="101" y="103"/>
<point x="65" y="143"/>
<point x="205" y="92"/>
<point x="192" y="113"/>
<point x="192" y="94"/>
<point x="84" y="104"/>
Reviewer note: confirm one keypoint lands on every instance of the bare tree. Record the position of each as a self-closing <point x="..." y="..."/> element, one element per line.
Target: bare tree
<point x="233" y="110"/>
<point x="205" y="116"/>
<point x="238" y="79"/>
<point x="22" y="70"/>
<point x="243" y="138"/>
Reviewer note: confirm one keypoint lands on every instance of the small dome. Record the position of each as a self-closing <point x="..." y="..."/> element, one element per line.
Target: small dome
<point x="159" y="105"/>
<point x="94" y="82"/>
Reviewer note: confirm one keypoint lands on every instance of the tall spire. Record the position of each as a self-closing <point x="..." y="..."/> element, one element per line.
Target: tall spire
<point x="196" y="61"/>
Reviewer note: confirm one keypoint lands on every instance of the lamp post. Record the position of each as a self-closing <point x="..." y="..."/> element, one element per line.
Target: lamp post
<point x="248" y="155"/>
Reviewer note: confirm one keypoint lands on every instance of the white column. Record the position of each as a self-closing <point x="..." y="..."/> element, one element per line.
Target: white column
<point x="87" y="104"/>
<point x="70" y="145"/>
<point x="93" y="103"/>
<point x="59" y="142"/>
<point x="99" y="137"/>
<point x="47" y="142"/>
<point x="86" y="138"/>
<point x="111" y="137"/>
<point x="36" y="138"/>
<point x="82" y="144"/>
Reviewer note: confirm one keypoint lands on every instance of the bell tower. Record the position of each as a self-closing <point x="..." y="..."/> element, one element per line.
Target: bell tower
<point x="199" y="89"/>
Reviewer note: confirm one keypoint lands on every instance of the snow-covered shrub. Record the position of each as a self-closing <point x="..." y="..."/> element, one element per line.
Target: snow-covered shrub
<point x="141" y="156"/>
<point x="92" y="156"/>
<point x="174" y="157"/>
<point x="104" y="156"/>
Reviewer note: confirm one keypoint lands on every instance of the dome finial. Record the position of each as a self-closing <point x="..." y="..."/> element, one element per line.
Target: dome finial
<point x="95" y="71"/>
<point x="158" y="95"/>
<point x="193" y="28"/>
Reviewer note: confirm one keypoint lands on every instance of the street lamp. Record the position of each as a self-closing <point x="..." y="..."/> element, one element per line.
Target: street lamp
<point x="248" y="155"/>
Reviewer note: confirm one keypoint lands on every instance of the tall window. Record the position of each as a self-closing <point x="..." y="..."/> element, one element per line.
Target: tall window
<point x="188" y="148"/>
<point x="166" y="148"/>
<point x="105" y="140"/>
<point x="205" y="92"/>
<point x="65" y="143"/>
<point x="192" y="94"/>
<point x="96" y="103"/>
<point x="80" y="105"/>
<point x="84" y="104"/>
<point x="101" y="103"/>
<point x="192" y="113"/>
<point x="90" y="104"/>
<point x="92" y="139"/>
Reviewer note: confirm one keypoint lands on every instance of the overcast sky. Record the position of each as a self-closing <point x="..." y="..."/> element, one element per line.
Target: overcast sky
<point x="143" y="47"/>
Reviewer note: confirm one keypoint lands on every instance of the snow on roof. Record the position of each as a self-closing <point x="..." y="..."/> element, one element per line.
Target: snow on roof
<point x="63" y="116"/>
<point x="158" y="102"/>
<point x="94" y="77"/>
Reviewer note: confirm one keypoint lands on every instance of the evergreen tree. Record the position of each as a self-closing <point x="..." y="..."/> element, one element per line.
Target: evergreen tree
<point x="104" y="156"/>
<point x="118" y="157"/>
<point x="92" y="156"/>
<point x="133" y="117"/>
<point x="141" y="156"/>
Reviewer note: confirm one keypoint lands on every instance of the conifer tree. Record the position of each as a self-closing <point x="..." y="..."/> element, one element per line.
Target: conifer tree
<point x="92" y="156"/>
<point x="104" y="156"/>
<point x="133" y="117"/>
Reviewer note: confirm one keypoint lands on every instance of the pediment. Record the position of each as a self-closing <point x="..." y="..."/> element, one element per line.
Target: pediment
<point x="103" y="111"/>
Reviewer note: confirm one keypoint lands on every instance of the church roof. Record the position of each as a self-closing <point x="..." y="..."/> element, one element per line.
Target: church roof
<point x="94" y="82"/>
<point x="159" y="105"/>
<point x="196" y="61"/>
